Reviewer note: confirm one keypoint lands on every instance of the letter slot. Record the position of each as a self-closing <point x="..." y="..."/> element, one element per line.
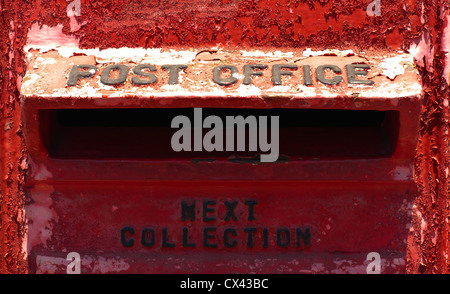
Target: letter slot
<point x="256" y="164"/>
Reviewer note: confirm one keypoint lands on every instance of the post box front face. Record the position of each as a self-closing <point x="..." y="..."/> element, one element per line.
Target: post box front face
<point x="209" y="161"/>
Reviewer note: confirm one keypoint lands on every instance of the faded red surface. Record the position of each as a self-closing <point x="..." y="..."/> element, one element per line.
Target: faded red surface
<point x="241" y="23"/>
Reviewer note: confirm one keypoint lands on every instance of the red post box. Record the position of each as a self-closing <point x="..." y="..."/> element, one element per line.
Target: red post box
<point x="134" y="168"/>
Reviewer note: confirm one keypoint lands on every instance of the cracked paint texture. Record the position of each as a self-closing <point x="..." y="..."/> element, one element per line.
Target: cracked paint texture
<point x="341" y="24"/>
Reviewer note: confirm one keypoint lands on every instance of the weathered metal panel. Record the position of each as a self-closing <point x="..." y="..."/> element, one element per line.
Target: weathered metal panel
<point x="213" y="213"/>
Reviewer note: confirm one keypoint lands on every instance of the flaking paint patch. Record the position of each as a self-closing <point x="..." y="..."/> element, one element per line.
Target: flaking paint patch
<point x="399" y="261"/>
<point x="40" y="215"/>
<point x="406" y="209"/>
<point x="423" y="229"/>
<point x="317" y="268"/>
<point x="348" y="267"/>
<point x="50" y="264"/>
<point x="91" y="264"/>
<point x="259" y="53"/>
<point x="393" y="67"/>
<point x="157" y="56"/>
<point x="23" y="219"/>
<point x="341" y="53"/>
<point x="422" y="222"/>
<point x="31" y="79"/>
<point x="446" y="48"/>
<point x="280" y="89"/>
<point x="402" y="173"/>
<point x="102" y="265"/>
<point x="250" y="90"/>
<point x="421" y="50"/>
<point x="49" y="38"/>
<point x="40" y="172"/>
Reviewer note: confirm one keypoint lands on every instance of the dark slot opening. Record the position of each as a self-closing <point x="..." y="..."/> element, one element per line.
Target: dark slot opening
<point x="147" y="133"/>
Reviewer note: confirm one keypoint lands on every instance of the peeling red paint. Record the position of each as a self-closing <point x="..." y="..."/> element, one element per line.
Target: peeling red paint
<point x="243" y="24"/>
<point x="429" y="237"/>
<point x="248" y="24"/>
<point x="12" y="152"/>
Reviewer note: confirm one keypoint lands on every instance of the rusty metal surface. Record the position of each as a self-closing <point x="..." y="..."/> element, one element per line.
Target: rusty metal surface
<point x="303" y="215"/>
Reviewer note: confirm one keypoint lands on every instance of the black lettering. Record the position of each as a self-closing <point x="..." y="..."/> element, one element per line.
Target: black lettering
<point x="207" y="210"/>
<point x="249" y="71"/>
<point x="230" y="210"/>
<point x="207" y="237"/>
<point x="80" y="71"/>
<point x="139" y="70"/>
<point x="106" y="73"/>
<point x="186" y="238"/>
<point x="251" y="209"/>
<point x="352" y="72"/>
<point x="306" y="237"/>
<point x="187" y="211"/>
<point x="277" y="72"/>
<point x="307" y="80"/>
<point x="287" y="239"/>
<point x="320" y="73"/>
<point x="250" y="232"/>
<point x="174" y="70"/>
<point x="217" y="75"/>
<point x="126" y="243"/>
<point x="226" y="238"/>
<point x="148" y="238"/>
<point x="165" y="242"/>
